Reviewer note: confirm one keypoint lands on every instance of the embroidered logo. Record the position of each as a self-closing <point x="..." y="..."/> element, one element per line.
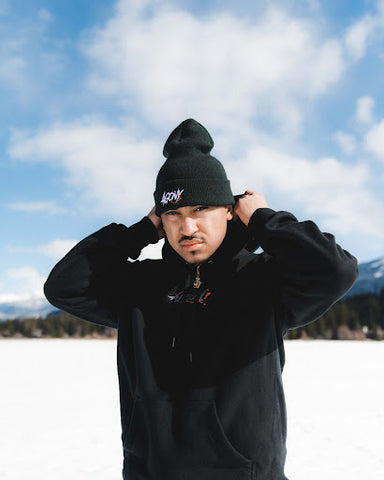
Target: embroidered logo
<point x="189" y="297"/>
<point x="172" y="197"/>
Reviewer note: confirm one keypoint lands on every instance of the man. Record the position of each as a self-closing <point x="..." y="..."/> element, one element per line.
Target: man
<point x="200" y="332"/>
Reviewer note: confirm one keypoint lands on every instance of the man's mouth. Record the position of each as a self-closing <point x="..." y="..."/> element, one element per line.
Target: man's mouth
<point x="190" y="244"/>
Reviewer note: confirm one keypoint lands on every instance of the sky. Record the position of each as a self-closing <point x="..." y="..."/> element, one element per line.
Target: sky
<point x="291" y="92"/>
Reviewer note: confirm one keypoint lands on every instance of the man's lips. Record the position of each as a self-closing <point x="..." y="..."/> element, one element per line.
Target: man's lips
<point x="190" y="244"/>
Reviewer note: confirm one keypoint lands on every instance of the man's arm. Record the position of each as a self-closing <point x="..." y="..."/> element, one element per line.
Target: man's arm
<point x="95" y="279"/>
<point x="312" y="270"/>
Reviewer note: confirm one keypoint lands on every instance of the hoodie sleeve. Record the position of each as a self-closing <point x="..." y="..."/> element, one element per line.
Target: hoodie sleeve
<point x="311" y="271"/>
<point x="95" y="277"/>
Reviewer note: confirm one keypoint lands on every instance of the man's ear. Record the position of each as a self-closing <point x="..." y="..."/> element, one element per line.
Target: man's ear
<point x="229" y="212"/>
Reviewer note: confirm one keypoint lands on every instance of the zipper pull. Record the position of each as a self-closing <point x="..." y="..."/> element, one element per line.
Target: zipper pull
<point x="173" y="342"/>
<point x="197" y="283"/>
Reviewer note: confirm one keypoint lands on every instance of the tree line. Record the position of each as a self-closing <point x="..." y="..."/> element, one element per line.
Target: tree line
<point x="356" y="317"/>
<point x="55" y="325"/>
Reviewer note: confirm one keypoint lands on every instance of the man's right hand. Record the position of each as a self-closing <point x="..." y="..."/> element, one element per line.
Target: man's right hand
<point x="156" y="222"/>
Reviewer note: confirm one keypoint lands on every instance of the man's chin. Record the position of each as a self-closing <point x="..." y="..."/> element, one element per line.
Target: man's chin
<point x="193" y="257"/>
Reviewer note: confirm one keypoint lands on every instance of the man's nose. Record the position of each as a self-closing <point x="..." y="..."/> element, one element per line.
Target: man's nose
<point x="188" y="227"/>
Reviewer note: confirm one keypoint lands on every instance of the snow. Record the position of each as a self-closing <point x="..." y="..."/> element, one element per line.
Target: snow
<point x="378" y="266"/>
<point x="59" y="410"/>
<point x="335" y="401"/>
<point x="379" y="263"/>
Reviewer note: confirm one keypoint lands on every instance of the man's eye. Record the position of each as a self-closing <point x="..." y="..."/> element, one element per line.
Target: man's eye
<point x="199" y="209"/>
<point x="171" y="212"/>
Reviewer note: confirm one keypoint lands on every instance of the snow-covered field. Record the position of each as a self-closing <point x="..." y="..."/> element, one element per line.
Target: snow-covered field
<point x="59" y="410"/>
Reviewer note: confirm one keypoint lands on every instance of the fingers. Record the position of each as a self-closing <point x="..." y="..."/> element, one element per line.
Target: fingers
<point x="248" y="192"/>
<point x="247" y="204"/>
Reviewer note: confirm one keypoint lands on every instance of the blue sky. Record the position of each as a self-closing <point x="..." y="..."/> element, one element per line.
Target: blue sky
<point x="291" y="92"/>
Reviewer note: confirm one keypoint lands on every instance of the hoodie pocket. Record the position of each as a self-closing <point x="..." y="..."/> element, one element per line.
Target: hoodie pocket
<point x="173" y="440"/>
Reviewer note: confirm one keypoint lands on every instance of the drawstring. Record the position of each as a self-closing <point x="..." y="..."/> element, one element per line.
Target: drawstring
<point x="173" y="346"/>
<point x="196" y="284"/>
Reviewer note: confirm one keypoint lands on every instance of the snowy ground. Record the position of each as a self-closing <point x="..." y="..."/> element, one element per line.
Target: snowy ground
<point x="59" y="410"/>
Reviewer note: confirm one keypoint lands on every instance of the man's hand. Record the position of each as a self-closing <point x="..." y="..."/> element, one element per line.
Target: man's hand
<point x="247" y="204"/>
<point x="156" y="222"/>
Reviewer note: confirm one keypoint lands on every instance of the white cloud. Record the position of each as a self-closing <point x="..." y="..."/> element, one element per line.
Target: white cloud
<point x="23" y="294"/>
<point x="30" y="59"/>
<point x="57" y="248"/>
<point x="337" y="193"/>
<point x="357" y="35"/>
<point x="364" y="109"/>
<point x="112" y="169"/>
<point x="54" y="250"/>
<point x="26" y="281"/>
<point x="346" y="142"/>
<point x="314" y="5"/>
<point x="374" y="140"/>
<point x="18" y="298"/>
<point x="12" y="71"/>
<point x="45" y="15"/>
<point x="50" y="208"/>
<point x="220" y="68"/>
<point x="13" y="62"/>
<point x="365" y="31"/>
<point x="4" y="7"/>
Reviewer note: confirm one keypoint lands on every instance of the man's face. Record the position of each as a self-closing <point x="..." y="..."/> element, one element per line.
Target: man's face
<point x="195" y="233"/>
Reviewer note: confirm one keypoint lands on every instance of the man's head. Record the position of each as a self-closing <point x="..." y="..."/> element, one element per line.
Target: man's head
<point x="193" y="194"/>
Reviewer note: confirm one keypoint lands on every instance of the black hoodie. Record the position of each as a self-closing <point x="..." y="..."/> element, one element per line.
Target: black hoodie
<point x="200" y="349"/>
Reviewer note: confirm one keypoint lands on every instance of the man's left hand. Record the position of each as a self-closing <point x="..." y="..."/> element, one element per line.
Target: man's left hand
<point x="247" y="204"/>
<point x="156" y="222"/>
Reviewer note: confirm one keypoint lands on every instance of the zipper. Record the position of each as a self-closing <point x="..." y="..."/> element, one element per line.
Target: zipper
<point x="197" y="282"/>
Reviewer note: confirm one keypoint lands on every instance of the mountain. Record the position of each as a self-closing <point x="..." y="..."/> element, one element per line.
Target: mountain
<point x="28" y="306"/>
<point x="371" y="278"/>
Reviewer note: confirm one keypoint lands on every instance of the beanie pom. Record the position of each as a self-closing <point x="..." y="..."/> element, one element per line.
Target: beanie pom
<point x="189" y="135"/>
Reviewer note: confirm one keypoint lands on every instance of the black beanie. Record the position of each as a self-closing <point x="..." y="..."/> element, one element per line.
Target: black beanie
<point x="190" y="175"/>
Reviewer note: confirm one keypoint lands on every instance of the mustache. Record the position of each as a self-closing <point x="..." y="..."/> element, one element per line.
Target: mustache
<point x="189" y="238"/>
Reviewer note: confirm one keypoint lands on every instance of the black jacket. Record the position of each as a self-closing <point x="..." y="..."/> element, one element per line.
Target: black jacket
<point x="200" y="351"/>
